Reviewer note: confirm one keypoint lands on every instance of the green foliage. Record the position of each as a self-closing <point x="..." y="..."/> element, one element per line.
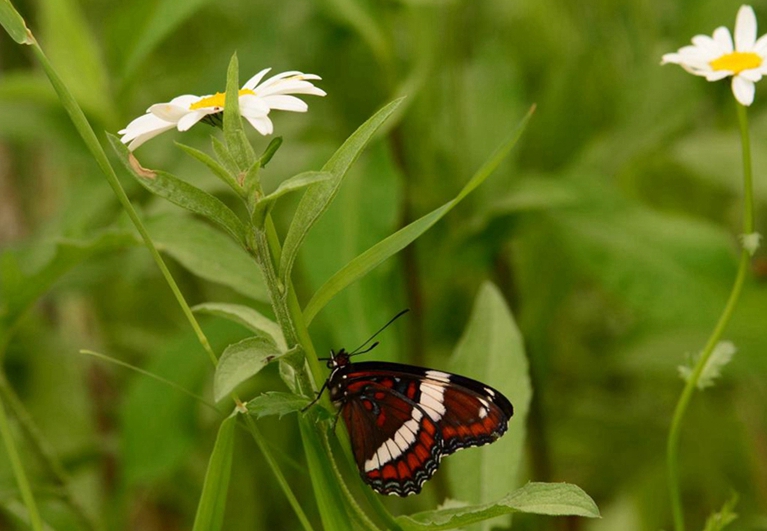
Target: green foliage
<point x="592" y="264"/>
<point x="721" y="519"/>
<point x="242" y="360"/>
<point x="536" y="498"/>
<point x="482" y="477"/>
<point x="276" y="403"/>
<point x="210" y="511"/>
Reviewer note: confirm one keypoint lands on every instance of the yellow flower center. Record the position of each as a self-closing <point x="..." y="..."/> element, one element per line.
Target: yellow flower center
<point x="217" y="100"/>
<point x="737" y="62"/>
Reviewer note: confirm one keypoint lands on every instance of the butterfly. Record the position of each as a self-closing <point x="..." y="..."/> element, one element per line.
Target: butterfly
<point x="402" y="419"/>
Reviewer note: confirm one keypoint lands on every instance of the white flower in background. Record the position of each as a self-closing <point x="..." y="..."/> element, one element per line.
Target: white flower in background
<point x="715" y="57"/>
<point x="256" y="101"/>
<point x="751" y="242"/>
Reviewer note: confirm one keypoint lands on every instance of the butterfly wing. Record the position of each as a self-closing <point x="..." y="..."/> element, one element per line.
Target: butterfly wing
<point x="402" y="419"/>
<point x="396" y="446"/>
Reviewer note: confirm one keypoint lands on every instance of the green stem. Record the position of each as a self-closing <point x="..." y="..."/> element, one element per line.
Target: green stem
<point x="91" y="141"/>
<point x="18" y="471"/>
<point x="672" y="448"/>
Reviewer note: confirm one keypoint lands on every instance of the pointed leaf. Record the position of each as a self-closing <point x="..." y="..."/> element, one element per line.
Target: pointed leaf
<point x="214" y="166"/>
<point x="297" y="182"/>
<point x="327" y="491"/>
<point x="13" y="23"/>
<point x="554" y="499"/>
<point x="247" y="317"/>
<point x="208" y="254"/>
<point x="276" y="403"/>
<point x="371" y="258"/>
<point x="491" y="350"/>
<point x="241" y="361"/>
<point x="181" y="193"/>
<point x="210" y="511"/>
<point x="319" y="196"/>
<point x="236" y="141"/>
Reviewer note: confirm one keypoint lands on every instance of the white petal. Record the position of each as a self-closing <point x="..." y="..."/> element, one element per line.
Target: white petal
<point x="743" y="89"/>
<point x="753" y="74"/>
<point x="707" y="45"/>
<point x="186" y="122"/>
<point x="262" y="124"/>
<point x="723" y="39"/>
<point x="716" y="75"/>
<point x="252" y="82"/>
<point x="673" y="58"/>
<point x="253" y="105"/>
<point x="282" y="102"/>
<point x="760" y="46"/>
<point x="169" y="112"/>
<point x="142" y="129"/>
<point x="745" y="29"/>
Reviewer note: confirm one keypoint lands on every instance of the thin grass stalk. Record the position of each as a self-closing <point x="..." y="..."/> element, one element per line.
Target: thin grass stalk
<point x="18" y="471"/>
<point x="672" y="447"/>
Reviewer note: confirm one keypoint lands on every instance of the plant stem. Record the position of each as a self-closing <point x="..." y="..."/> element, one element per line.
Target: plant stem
<point x="18" y="470"/>
<point x="672" y="448"/>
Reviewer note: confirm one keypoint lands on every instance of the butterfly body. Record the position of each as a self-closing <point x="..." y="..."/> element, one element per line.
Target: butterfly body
<point x="403" y="419"/>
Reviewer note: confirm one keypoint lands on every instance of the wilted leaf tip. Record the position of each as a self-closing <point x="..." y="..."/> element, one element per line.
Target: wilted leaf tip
<point x="139" y="169"/>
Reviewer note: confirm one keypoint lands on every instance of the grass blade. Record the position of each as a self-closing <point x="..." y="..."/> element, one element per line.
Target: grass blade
<point x="210" y="511"/>
<point x="18" y="471"/>
<point x="390" y="246"/>
<point x="318" y="197"/>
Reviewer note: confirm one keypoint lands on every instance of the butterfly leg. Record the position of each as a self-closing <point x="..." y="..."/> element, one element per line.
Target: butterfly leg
<point x="319" y="394"/>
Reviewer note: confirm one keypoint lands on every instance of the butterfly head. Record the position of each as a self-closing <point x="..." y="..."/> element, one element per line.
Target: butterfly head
<point x="337" y="359"/>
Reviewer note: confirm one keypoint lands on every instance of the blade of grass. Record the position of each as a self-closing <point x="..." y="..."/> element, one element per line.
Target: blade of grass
<point x="210" y="510"/>
<point x="318" y="197"/>
<point x="18" y="471"/>
<point x="330" y="499"/>
<point x="160" y="379"/>
<point x="390" y="246"/>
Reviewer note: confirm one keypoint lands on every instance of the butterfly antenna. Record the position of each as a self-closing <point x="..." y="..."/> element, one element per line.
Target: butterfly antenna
<point x="357" y="350"/>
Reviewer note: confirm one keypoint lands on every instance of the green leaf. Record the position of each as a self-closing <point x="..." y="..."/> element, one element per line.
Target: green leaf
<point x="206" y="253"/>
<point x="13" y="23"/>
<point x="318" y="197"/>
<point x="390" y="246"/>
<point x="166" y="17"/>
<point x="297" y="182"/>
<point x="276" y="403"/>
<point x="223" y="156"/>
<point x="214" y="166"/>
<point x="247" y="317"/>
<point x="327" y="491"/>
<point x="210" y="510"/>
<point x="236" y="141"/>
<point x="242" y="361"/>
<point x="554" y="499"/>
<point x="491" y="350"/>
<point x="270" y="151"/>
<point x="181" y="193"/>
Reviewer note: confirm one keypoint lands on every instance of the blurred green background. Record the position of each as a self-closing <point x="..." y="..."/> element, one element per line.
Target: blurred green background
<point x="611" y="232"/>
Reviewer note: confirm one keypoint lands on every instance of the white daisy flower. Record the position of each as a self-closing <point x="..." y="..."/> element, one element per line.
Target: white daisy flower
<point x="715" y="57"/>
<point x="256" y="101"/>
